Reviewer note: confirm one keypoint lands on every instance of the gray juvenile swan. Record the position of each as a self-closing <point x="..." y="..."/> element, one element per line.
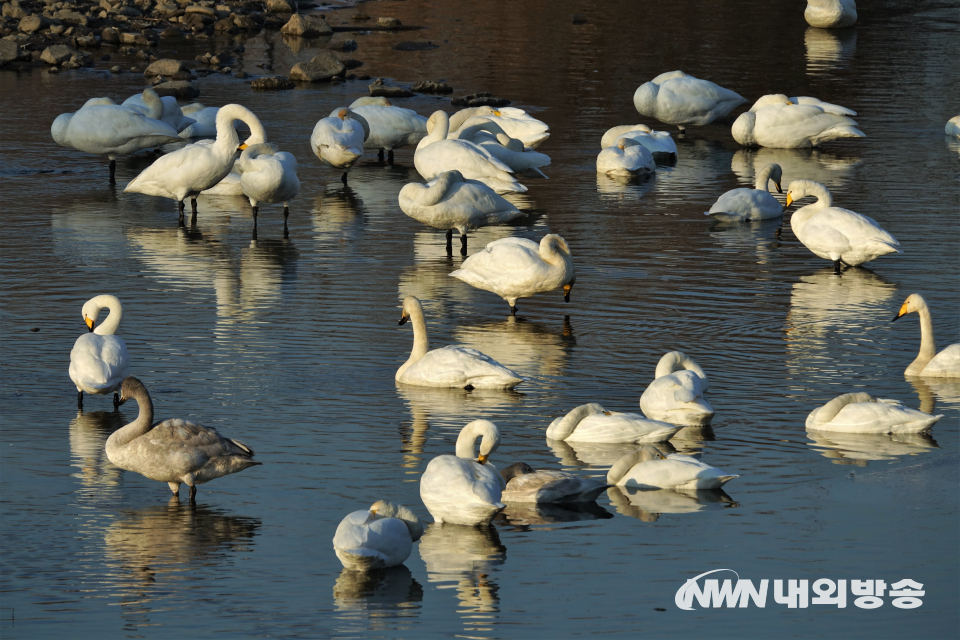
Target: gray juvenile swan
<point x="175" y="450"/>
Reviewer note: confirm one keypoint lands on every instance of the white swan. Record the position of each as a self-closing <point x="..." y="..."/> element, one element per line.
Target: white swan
<point x="676" y="394"/>
<point x="230" y="185"/>
<point x="452" y="202"/>
<point x="523" y="484"/>
<point x="648" y="468"/>
<point x="268" y="176"/>
<point x="451" y="366"/>
<point x="517" y="123"/>
<point x="928" y="362"/>
<point x="436" y="154"/>
<point x="516" y="268"/>
<point x="390" y="127"/>
<point x="377" y="538"/>
<point x="188" y="171"/>
<point x="338" y="141"/>
<point x="832" y="233"/>
<point x="627" y="158"/>
<point x="511" y="151"/>
<point x="952" y="128"/>
<point x="173" y="451"/>
<point x="792" y="126"/>
<point x="104" y="128"/>
<point x="862" y="413"/>
<point x="460" y="490"/>
<point x="99" y="361"/>
<point x="165" y="109"/>
<point x="592" y="423"/>
<point x="677" y="98"/>
<point x="205" y="118"/>
<point x="779" y="98"/>
<point x="654" y="141"/>
<point x="830" y="14"/>
<point x="751" y="204"/>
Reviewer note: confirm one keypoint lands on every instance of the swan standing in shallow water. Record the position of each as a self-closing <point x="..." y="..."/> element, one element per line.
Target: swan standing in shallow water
<point x="830" y="14"/>
<point x="173" y="451"/>
<point x="676" y="394"/>
<point x="751" y="204"/>
<point x="592" y="423"/>
<point x="390" y="127"/>
<point x="516" y="268"/>
<point x="839" y="235"/>
<point x="627" y="158"/>
<point x="99" y="361"/>
<point x="648" y="468"/>
<point x="459" y="489"/>
<point x="653" y="141"/>
<point x="862" y="413"/>
<point x="338" y="140"/>
<point x="793" y="126"/>
<point x="523" y="484"/>
<point x="268" y="176"/>
<point x="928" y="362"/>
<point x="677" y="98"/>
<point x="451" y="366"/>
<point x="378" y="538"/>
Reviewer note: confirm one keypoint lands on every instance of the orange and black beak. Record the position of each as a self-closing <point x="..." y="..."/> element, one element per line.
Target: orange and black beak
<point x="482" y="459"/>
<point x="90" y="323"/>
<point x="779" y="190"/>
<point x="903" y="312"/>
<point x="403" y="318"/>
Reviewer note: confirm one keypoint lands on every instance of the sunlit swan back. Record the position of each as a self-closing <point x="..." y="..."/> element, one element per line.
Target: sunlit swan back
<point x="338" y="140"/>
<point x="99" y="361"/>
<point x="928" y="362"/>
<point x="793" y="126"/>
<point x="680" y="99"/>
<point x="627" y="158"/>
<point x="377" y="538"/>
<point x="654" y="141"/>
<point x="751" y="204"/>
<point x="648" y="468"/>
<point x="544" y="486"/>
<point x="831" y="14"/>
<point x="676" y="394"/>
<point x="592" y="423"/>
<point x="862" y="413"/>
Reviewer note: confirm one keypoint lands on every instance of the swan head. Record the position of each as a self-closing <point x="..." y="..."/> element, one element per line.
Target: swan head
<point x="912" y="304"/>
<point x="514" y="470"/>
<point x="776" y="174"/>
<point x="478" y="429"/>
<point x="411" y="306"/>
<point x="799" y="189"/>
<point x="384" y="509"/>
<point x="743" y="129"/>
<point x="92" y="307"/>
<point x="130" y="388"/>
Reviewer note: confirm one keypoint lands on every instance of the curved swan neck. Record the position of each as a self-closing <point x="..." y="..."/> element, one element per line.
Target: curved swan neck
<point x="554" y="249"/>
<point x="153" y="103"/>
<point x="802" y="189"/>
<point x="112" y="322"/>
<point x="226" y="134"/>
<point x="763" y="178"/>
<point x="138" y="427"/>
<point x="568" y="424"/>
<point x="468" y="437"/>
<point x="421" y="344"/>
<point x="441" y="126"/>
<point x="928" y="345"/>
<point x="429" y="196"/>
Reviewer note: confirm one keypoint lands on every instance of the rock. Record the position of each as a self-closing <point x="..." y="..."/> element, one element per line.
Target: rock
<point x="306" y="26"/>
<point x="58" y="54"/>
<point x="342" y="45"/>
<point x="240" y="74"/>
<point x="116" y="69"/>
<point x="11" y="52"/>
<point x="281" y="6"/>
<point x="110" y="35"/>
<point x="481" y="99"/>
<point x="72" y="17"/>
<point x="379" y="89"/>
<point x="323" y="66"/>
<point x="194" y="21"/>
<point x="207" y="11"/>
<point x="416" y="45"/>
<point x="388" y="22"/>
<point x="11" y="10"/>
<point x="137" y="39"/>
<point x="276" y="83"/>
<point x="88" y="41"/>
<point x="350" y="63"/>
<point x="425" y="86"/>
<point x="178" y="89"/>
<point x="53" y="70"/>
<point x="168" y="10"/>
<point x="129" y="12"/>
<point x="224" y="25"/>
<point x="163" y="67"/>
<point x="245" y="23"/>
<point x="31" y="24"/>
<point x="171" y="32"/>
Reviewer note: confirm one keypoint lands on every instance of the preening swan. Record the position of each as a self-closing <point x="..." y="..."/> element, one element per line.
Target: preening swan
<point x="205" y="121"/>
<point x="99" y="361"/>
<point x="653" y="141"/>
<point x="436" y="154"/>
<point x="839" y="235"/>
<point x="451" y="366"/>
<point x="929" y="363"/>
<point x="523" y="484"/>
<point x="511" y="151"/>
<point x="516" y="268"/>
<point x="268" y="176"/>
<point x="627" y="158"/>
<point x="680" y="99"/>
<point x="338" y="141"/>
<point x="676" y="394"/>
<point x="104" y="128"/>
<point x="793" y="126"/>
<point x="165" y="109"/>
<point x="230" y="185"/>
<point x="452" y="202"/>
<point x="459" y="489"/>
<point x="648" y="468"/>
<point x="779" y="98"/>
<point x="862" y="413"/>
<point x="377" y="538"/>
<point x="751" y="204"/>
<point x="173" y="451"/>
<point x="830" y="14"/>
<point x="390" y="127"/>
<point x="592" y="423"/>
<point x="515" y="122"/>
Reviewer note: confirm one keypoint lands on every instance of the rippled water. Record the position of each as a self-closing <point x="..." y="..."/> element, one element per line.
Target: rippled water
<point x="291" y="344"/>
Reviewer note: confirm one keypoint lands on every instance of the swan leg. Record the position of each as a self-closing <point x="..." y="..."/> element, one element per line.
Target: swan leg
<point x="390" y="156"/>
<point x="174" y="487"/>
<point x="193" y="493"/>
<point x="116" y="400"/>
<point x="343" y="178"/>
<point x="836" y="267"/>
<point x="513" y="309"/>
<point x="113" y="171"/>
<point x="380" y="155"/>
<point x="449" y="241"/>
<point x="286" y="213"/>
<point x="193" y="205"/>
<point x="80" y="400"/>
<point x="180" y="208"/>
<point x="463" y="245"/>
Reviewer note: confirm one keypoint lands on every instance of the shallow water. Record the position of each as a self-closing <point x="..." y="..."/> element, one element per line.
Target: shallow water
<point x="291" y="345"/>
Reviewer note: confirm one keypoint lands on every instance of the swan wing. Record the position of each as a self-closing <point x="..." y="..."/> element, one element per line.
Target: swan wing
<point x="839" y="230"/>
<point x="98" y="364"/>
<point x="689" y="98"/>
<point x="552" y="486"/>
<point x="455" y="366"/>
<point x="945" y="364"/>
<point x="878" y="417"/>
<point x="621" y="428"/>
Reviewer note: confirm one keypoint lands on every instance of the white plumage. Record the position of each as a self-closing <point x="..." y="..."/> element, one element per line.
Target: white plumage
<point x="390" y="127"/>
<point x="648" y="468"/>
<point x="99" y="361"/>
<point x="546" y="486"/>
<point x="751" y="204"/>
<point x="627" y="158"/>
<point x="377" y="538"/>
<point x="268" y="176"/>
<point x="517" y="123"/>
<point x="338" y="141"/>
<point x="862" y="413"/>
<point x="929" y="363"/>
<point x="653" y="141"/>
<point x="793" y="126"/>
<point x="592" y="423"/>
<point x="680" y="99"/>
<point x="830" y="14"/>
<point x="676" y="394"/>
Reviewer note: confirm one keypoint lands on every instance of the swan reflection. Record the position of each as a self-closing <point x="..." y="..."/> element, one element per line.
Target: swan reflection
<point x="88" y="435"/>
<point x="373" y="597"/>
<point x="697" y="176"/>
<point x="690" y="440"/>
<point x="649" y="505"/>
<point x="337" y="217"/>
<point x="953" y="143"/>
<point x="859" y="448"/>
<point x="529" y="348"/>
<point x="820" y="166"/>
<point x="931" y="391"/>
<point x="828" y="49"/>
<point x="624" y="188"/>
<point x="595" y="455"/>
<point x="523" y="514"/>
<point x="759" y="236"/>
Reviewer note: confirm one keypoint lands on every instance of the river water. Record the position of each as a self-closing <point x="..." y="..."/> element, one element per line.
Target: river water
<point x="290" y="344"/>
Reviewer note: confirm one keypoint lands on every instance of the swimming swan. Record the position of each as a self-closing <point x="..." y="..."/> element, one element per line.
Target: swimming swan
<point x="792" y="126"/>
<point x="592" y="423"/>
<point x="862" y="413"/>
<point x="175" y="450"/>
<point x="648" y="468"/>
<point x="929" y="363"/>
<point x="511" y="151"/>
<point x="676" y="394"/>
<point x="390" y="127"/>
<point x="452" y="202"/>
<point x="338" y="140"/>
<point x="830" y="14"/>
<point x="377" y="538"/>
<point x="99" y="361"/>
<point x="751" y="204"/>
<point x="515" y="122"/>
<point x="451" y="366"/>
<point x="268" y="176"/>
<point x="460" y="490"/>
<point x="654" y="141"/>
<point x="516" y="268"/>
<point x="832" y="233"/>
<point x="627" y="158"/>
<point x="523" y="484"/>
<point x="677" y="98"/>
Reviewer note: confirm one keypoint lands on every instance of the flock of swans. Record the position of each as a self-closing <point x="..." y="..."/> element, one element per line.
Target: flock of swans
<point x="471" y="162"/>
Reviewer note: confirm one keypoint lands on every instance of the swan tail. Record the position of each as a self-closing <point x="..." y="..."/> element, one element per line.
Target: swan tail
<point x="725" y="479"/>
<point x="843" y="131"/>
<point x="245" y="449"/>
<point x="542" y="174"/>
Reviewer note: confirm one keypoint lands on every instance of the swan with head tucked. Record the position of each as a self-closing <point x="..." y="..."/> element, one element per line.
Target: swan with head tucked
<point x="165" y="108"/>
<point x="390" y="127"/>
<point x="928" y="362"/>
<point x="952" y="128"/>
<point x="104" y="128"/>
<point x="338" y="140"/>
<point x="839" y="235"/>
<point x="523" y="484"/>
<point x="779" y="98"/>
<point x="377" y="538"/>
<point x="452" y="202"/>
<point x="174" y="451"/>
<point x="516" y="268"/>
<point x="648" y="468"/>
<point x="451" y="366"/>
<point x="99" y="361"/>
<point x="676" y="394"/>
<point x="188" y="171"/>
<point x="653" y="141"/>
<point x="830" y="14"/>
<point x="515" y="122"/>
<point x="268" y="176"/>
<point x="460" y="489"/>
<point x="793" y="126"/>
<point x="680" y="99"/>
<point x="436" y="154"/>
<point x="205" y="121"/>
<point x="230" y="185"/>
<point x="751" y="204"/>
<point x="593" y="423"/>
<point x="862" y="413"/>
<point x="627" y="158"/>
<point x="511" y="151"/>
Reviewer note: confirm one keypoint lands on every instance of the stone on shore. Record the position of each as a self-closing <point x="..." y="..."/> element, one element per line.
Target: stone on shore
<point x="275" y="83"/>
<point x="57" y="54"/>
<point x="163" y="67"/>
<point x="323" y="66"/>
<point x="426" y="86"/>
<point x="281" y="6"/>
<point x="306" y="26"/>
<point x="179" y="89"/>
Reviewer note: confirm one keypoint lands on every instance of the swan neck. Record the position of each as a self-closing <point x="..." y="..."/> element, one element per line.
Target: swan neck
<point x="441" y="127"/>
<point x="763" y="179"/>
<point x="824" y="200"/>
<point x="138" y="427"/>
<point x="421" y="344"/>
<point x="928" y="345"/>
<point x="112" y="322"/>
<point x="568" y="424"/>
<point x="549" y="252"/>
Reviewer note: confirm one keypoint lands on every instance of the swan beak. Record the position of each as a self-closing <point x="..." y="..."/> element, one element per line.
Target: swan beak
<point x="903" y="312"/>
<point x="122" y="399"/>
<point x="403" y="319"/>
<point x="789" y="199"/>
<point x="779" y="190"/>
<point x="607" y="413"/>
<point x="242" y="147"/>
<point x="89" y="323"/>
<point x="566" y="292"/>
<point x="497" y="113"/>
<point x="482" y="459"/>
